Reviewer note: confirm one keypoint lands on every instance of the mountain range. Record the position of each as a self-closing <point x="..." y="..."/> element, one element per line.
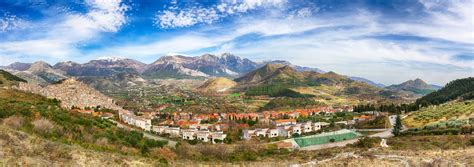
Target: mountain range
<point x="416" y="86"/>
<point x="110" y="73"/>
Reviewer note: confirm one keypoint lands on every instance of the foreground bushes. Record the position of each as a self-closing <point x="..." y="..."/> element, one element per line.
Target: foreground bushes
<point x="423" y="132"/>
<point x="36" y="114"/>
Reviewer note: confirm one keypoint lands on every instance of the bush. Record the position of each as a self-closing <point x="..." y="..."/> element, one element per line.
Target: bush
<point x="367" y="142"/>
<point x="43" y="126"/>
<point x="472" y="141"/>
<point x="13" y="121"/>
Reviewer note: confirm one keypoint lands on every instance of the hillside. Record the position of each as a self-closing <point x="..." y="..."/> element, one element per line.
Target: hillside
<point x="38" y="116"/>
<point x="417" y="87"/>
<point x="217" y="85"/>
<point x="72" y="93"/>
<point x="283" y="80"/>
<point x="460" y="88"/>
<point x="8" y="79"/>
<point x="27" y="152"/>
<point x="456" y="111"/>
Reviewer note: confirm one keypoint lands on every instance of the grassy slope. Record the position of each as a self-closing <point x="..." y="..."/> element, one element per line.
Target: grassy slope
<point x="23" y="109"/>
<point x="7" y="79"/>
<point x="23" y="149"/>
<point x="443" y="112"/>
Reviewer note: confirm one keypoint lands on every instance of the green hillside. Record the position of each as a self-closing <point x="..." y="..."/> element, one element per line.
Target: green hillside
<point x="460" y="88"/>
<point x="38" y="115"/>
<point x="279" y="80"/>
<point x="7" y="79"/>
<point x="447" y="112"/>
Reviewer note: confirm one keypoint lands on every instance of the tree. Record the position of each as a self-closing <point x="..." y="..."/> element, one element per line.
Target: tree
<point x="398" y="126"/>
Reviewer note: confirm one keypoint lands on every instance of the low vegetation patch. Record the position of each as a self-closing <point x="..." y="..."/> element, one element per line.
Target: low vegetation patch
<point x="415" y="143"/>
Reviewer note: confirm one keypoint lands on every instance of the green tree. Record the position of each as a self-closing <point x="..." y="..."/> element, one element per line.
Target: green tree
<point x="398" y="126"/>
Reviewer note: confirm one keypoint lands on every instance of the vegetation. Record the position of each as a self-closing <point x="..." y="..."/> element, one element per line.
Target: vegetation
<point x="392" y="108"/>
<point x="367" y="142"/>
<point x="461" y="110"/>
<point x="290" y="103"/>
<point x="36" y="114"/>
<point x="463" y="88"/>
<point x="415" y="143"/>
<point x="398" y="126"/>
<point x="237" y="153"/>
<point x="7" y="76"/>
<point x="274" y="91"/>
<point x="380" y="122"/>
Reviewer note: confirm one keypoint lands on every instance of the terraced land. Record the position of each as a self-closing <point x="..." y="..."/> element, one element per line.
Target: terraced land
<point x="451" y="112"/>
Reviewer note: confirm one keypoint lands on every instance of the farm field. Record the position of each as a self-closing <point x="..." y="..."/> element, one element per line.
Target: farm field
<point x="447" y="112"/>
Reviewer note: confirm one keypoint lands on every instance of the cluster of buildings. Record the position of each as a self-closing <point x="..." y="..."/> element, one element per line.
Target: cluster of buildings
<point x="284" y="128"/>
<point x="71" y="93"/>
<point x="203" y="133"/>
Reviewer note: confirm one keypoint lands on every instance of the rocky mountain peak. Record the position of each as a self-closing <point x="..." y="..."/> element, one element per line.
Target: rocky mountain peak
<point x="19" y="66"/>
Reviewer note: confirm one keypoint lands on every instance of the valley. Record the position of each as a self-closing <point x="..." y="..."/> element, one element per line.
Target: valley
<point x="227" y="110"/>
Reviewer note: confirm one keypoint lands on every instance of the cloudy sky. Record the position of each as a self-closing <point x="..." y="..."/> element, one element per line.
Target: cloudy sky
<point x="385" y="41"/>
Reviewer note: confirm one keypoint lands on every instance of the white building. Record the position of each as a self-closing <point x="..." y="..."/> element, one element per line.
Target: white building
<point x="307" y="127"/>
<point x="261" y="132"/>
<point x="248" y="134"/>
<point x="296" y="129"/>
<point x="218" y="136"/>
<point x="203" y="136"/>
<point x="188" y="134"/>
<point x="273" y="133"/>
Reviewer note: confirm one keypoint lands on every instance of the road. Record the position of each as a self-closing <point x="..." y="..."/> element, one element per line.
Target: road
<point x="171" y="143"/>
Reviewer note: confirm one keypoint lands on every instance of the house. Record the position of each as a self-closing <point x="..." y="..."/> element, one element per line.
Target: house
<point x="218" y="136"/>
<point x="188" y="134"/>
<point x="296" y="129"/>
<point x="283" y="122"/>
<point x="261" y="132"/>
<point x="173" y="131"/>
<point x="316" y="126"/>
<point x="143" y="123"/>
<point x="203" y="136"/>
<point x="307" y="127"/>
<point x="283" y="132"/>
<point x="248" y="134"/>
<point x="159" y="129"/>
<point x="323" y="124"/>
<point x="273" y="133"/>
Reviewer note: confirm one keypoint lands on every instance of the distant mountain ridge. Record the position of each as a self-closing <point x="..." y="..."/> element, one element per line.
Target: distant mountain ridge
<point x="459" y="88"/>
<point x="360" y="79"/>
<point x="416" y="86"/>
<point x="122" y="71"/>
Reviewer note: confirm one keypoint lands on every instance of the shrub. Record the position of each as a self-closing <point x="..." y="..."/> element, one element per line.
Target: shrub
<point x="102" y="141"/>
<point x="367" y="142"/>
<point x="13" y="121"/>
<point x="472" y="141"/>
<point x="43" y="126"/>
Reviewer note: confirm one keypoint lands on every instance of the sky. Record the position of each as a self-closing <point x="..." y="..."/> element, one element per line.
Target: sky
<point x="382" y="40"/>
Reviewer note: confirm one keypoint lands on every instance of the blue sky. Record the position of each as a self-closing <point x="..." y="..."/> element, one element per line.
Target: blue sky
<point x="385" y="41"/>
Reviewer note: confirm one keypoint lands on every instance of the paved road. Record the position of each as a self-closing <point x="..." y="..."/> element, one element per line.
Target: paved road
<point x="171" y="143"/>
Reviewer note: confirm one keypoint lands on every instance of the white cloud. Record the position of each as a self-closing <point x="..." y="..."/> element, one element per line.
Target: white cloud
<point x="448" y="20"/>
<point x="188" y="17"/>
<point x="175" y="17"/>
<point x="59" y="40"/>
<point x="11" y="22"/>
